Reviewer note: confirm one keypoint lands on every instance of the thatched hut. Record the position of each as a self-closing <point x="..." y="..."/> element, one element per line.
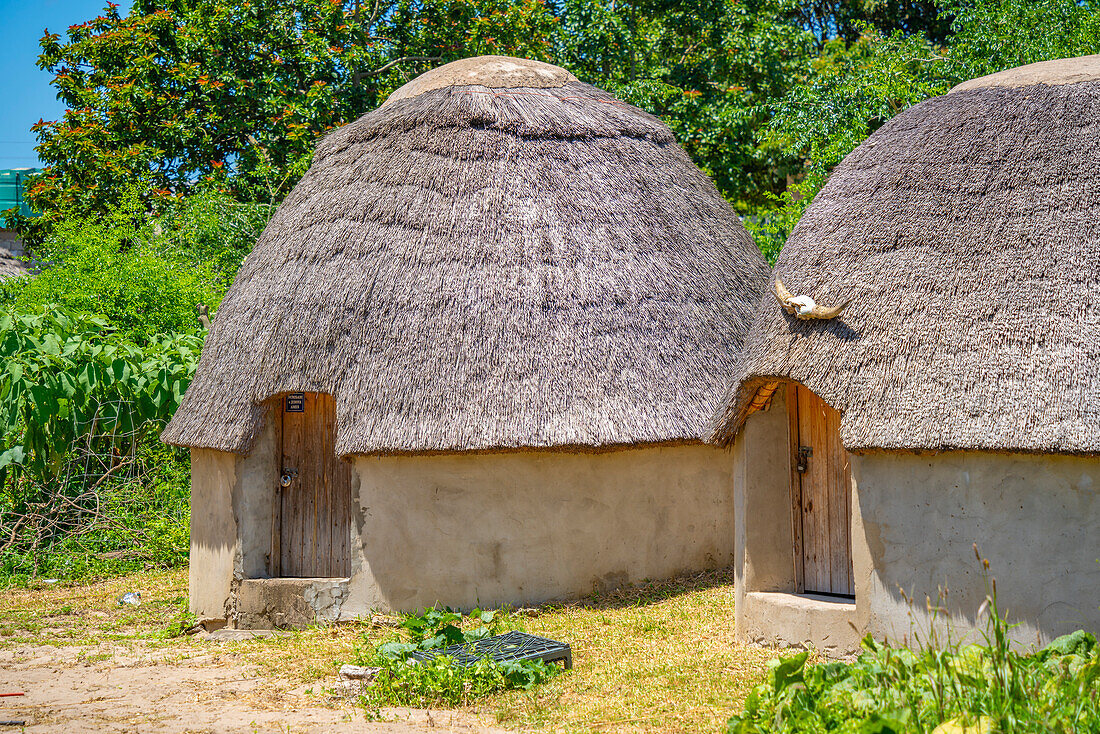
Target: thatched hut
<point x="956" y="400"/>
<point x="471" y="360"/>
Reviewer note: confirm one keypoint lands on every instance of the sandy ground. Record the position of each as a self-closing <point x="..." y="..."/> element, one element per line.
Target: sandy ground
<point x="73" y="689"/>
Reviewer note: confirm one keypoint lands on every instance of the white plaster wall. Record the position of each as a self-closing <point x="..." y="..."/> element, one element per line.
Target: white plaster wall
<point x="213" y="531"/>
<point x="1035" y="517"/>
<point x="524" y="527"/>
<point x="232" y="501"/>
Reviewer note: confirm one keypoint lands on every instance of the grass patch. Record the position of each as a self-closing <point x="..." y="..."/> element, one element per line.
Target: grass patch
<point x="658" y="657"/>
<point x="71" y="613"/>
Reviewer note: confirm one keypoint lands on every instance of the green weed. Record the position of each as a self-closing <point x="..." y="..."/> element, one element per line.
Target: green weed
<point x="943" y="687"/>
<point x="404" y="681"/>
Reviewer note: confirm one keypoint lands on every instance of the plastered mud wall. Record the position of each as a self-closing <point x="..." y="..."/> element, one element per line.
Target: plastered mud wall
<point x="213" y="531"/>
<point x="466" y="529"/>
<point x="523" y="527"/>
<point x="1036" y="518"/>
<point x="231" y="522"/>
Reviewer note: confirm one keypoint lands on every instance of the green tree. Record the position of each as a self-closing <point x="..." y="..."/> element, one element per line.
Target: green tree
<point x="182" y="90"/>
<point x="706" y="69"/>
<point x="856" y="87"/>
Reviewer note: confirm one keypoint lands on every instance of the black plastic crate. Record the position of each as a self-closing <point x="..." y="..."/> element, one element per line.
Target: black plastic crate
<point x="508" y="647"/>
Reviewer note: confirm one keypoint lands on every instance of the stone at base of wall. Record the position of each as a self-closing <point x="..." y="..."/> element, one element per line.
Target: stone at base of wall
<point x="799" y="620"/>
<point x="282" y="603"/>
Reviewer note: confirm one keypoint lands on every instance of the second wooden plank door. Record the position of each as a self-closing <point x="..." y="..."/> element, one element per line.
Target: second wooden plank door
<point x="822" y="498"/>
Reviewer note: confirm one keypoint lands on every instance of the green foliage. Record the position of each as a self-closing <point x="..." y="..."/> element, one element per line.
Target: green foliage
<point x="402" y="681"/>
<point x="766" y="95"/>
<point x="90" y="521"/>
<point x="211" y="233"/>
<point x="81" y="471"/>
<point x="991" y="35"/>
<point x="145" y="274"/>
<point x="966" y="689"/>
<point x="948" y="688"/>
<point x="852" y="91"/>
<point x="177" y="91"/>
<point x="110" y="266"/>
<point x="98" y="349"/>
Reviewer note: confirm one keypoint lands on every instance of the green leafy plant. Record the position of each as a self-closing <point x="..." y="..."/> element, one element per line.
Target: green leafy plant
<point x="66" y="377"/>
<point x="944" y="687"/>
<point x="84" y="482"/>
<point x="440" y="681"/>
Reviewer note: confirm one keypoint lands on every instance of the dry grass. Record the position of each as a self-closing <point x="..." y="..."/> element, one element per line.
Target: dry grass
<point x="658" y="657"/>
<point x="89" y="614"/>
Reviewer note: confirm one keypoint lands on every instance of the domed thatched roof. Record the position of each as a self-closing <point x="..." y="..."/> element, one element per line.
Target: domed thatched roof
<point x="967" y="232"/>
<point x="499" y="256"/>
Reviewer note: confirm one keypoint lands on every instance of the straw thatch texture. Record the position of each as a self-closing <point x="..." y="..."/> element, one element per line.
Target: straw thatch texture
<point x="472" y="268"/>
<point x="967" y="231"/>
<point x="10" y="265"/>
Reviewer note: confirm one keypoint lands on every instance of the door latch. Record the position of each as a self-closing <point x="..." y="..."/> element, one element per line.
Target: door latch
<point x="804" y="454"/>
<point x="289" y="475"/>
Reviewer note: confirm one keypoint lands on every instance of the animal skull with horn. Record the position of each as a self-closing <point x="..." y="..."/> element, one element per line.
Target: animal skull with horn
<point x="803" y="307"/>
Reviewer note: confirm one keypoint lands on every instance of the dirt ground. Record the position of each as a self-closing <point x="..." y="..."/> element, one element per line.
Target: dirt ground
<point x="72" y="689"/>
<point x="657" y="658"/>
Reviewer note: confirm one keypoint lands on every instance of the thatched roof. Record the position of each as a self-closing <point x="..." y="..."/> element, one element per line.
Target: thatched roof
<point x="477" y="265"/>
<point x="11" y="266"/>
<point x="967" y="232"/>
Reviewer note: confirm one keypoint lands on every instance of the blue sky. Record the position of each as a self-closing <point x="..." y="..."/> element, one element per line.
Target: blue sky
<point x="25" y="91"/>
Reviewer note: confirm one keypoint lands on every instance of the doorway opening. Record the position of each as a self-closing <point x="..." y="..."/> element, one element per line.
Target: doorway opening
<point x="821" y="497"/>
<point x="313" y="520"/>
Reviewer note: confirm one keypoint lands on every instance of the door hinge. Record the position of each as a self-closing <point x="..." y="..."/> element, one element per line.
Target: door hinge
<point x="804" y="454"/>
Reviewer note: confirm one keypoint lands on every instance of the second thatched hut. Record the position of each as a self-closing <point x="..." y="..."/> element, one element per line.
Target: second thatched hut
<point x="957" y="399"/>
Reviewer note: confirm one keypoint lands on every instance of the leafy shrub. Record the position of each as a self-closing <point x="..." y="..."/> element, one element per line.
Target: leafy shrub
<point x="210" y="230"/>
<point x="84" y="483"/>
<point x="111" y="266"/>
<point x="402" y="681"/>
<point x="990" y="35"/>
<point x="948" y="688"/>
<point x="146" y="275"/>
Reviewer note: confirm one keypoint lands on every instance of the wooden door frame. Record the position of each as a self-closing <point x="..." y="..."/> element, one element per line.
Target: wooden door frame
<point x="795" y="503"/>
<point x="323" y="484"/>
<point x="275" y="560"/>
<point x="798" y="495"/>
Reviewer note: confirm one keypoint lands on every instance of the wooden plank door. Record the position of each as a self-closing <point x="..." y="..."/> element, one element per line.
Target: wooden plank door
<point x="821" y="496"/>
<point x="314" y="536"/>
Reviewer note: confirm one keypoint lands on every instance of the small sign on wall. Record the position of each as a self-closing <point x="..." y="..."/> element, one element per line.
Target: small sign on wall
<point x="296" y="402"/>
